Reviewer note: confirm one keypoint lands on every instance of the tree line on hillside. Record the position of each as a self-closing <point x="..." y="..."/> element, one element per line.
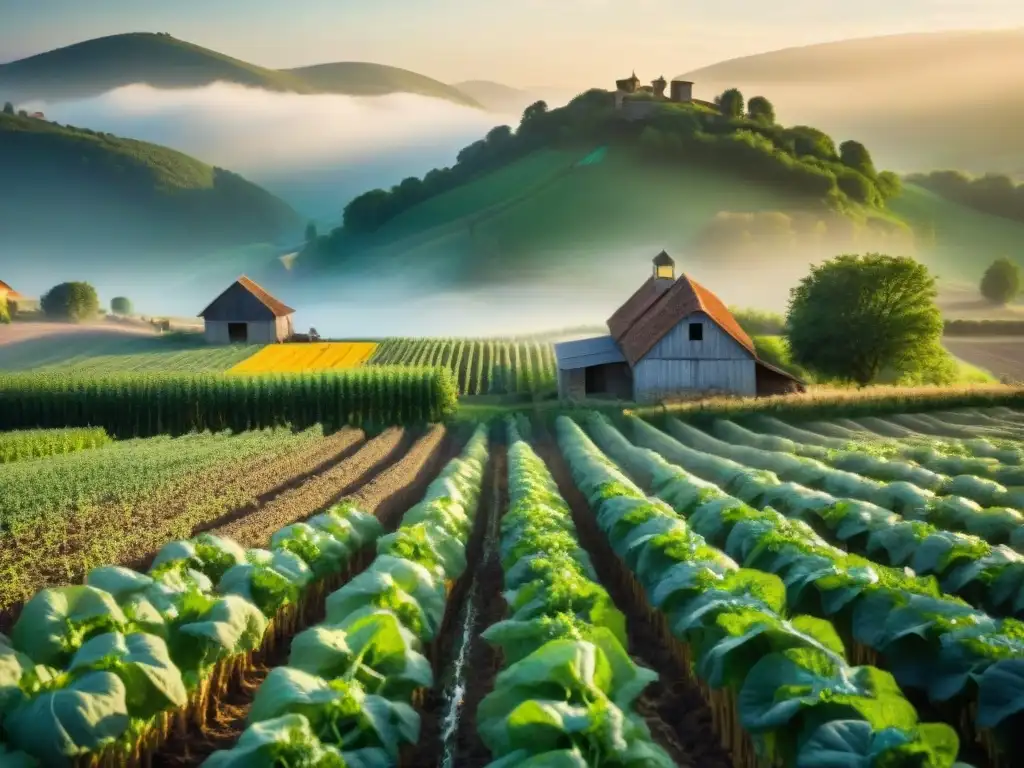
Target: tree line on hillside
<point x="75" y="301"/>
<point x="740" y="135"/>
<point x="993" y="193"/>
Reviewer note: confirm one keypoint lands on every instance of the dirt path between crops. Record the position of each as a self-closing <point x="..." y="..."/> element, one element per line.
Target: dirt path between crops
<point x="679" y="719"/>
<point x="169" y="514"/>
<point x="444" y="651"/>
<point x="253" y="527"/>
<point x="394" y="489"/>
<point x="461" y="746"/>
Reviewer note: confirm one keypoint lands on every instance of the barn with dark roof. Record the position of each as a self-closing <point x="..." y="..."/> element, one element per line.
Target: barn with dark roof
<point x="673" y="338"/>
<point x="247" y="314"/>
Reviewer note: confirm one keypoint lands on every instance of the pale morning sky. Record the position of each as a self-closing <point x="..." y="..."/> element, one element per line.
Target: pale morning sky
<point x="562" y="43"/>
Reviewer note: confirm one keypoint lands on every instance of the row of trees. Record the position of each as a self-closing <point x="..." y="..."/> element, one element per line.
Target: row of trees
<point x="741" y="135"/>
<point x="78" y="301"/>
<point x="9" y="110"/>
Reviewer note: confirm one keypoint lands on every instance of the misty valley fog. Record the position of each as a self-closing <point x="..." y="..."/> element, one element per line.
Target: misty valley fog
<point x="314" y="151"/>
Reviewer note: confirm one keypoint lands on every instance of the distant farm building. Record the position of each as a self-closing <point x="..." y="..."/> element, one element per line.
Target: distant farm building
<point x="638" y="101"/>
<point x="15" y="301"/>
<point x="672" y="339"/>
<point x="247" y="314"/>
<point x="37" y="115"/>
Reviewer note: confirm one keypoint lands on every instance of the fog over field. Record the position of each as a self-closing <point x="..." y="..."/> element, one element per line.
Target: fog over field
<point x="314" y="151"/>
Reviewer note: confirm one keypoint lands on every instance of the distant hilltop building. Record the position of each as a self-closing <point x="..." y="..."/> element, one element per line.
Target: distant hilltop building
<point x="638" y="101"/>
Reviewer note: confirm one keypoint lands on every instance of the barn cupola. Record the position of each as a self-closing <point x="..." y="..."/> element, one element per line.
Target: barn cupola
<point x="664" y="268"/>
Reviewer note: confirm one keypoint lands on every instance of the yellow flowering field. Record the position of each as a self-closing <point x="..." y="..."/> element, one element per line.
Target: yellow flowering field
<point x="298" y="357"/>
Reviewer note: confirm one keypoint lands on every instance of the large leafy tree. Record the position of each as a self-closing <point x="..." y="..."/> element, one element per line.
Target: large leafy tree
<point x="854" y="315"/>
<point x="731" y="103"/>
<point x="855" y="155"/>
<point x="8" y="108"/>
<point x="1001" y="282"/>
<point x="121" y="305"/>
<point x="71" y="301"/>
<point x="762" y="110"/>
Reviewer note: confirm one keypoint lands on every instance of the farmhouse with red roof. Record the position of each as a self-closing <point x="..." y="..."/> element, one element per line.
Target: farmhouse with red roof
<point x="673" y="338"/>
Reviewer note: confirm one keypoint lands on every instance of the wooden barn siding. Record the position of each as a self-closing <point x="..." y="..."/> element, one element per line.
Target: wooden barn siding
<point x="716" y="345"/>
<point x="216" y="332"/>
<point x="572" y="384"/>
<point x="677" y="365"/>
<point x="237" y="305"/>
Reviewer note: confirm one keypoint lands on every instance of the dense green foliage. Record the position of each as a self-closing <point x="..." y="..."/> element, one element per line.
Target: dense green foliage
<point x="33" y="443"/>
<point x="143" y="405"/>
<point x="854" y="316"/>
<point x="771" y="670"/>
<point x="480" y="366"/>
<point x="347" y="694"/>
<point x="122" y="190"/>
<point x="5" y="311"/>
<point x="96" y="66"/>
<point x="758" y="322"/>
<point x="563" y="642"/>
<point x="71" y="301"/>
<point x="1001" y="282"/>
<point x="96" y="670"/>
<point x="121" y="305"/>
<point x="801" y="159"/>
<point x="983" y="328"/>
<point x="993" y="193"/>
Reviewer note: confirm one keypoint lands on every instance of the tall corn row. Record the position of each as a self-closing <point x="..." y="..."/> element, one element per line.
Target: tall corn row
<point x="141" y="405"/>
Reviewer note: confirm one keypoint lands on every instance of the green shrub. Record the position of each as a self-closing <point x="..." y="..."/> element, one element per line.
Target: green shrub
<point x="71" y="301"/>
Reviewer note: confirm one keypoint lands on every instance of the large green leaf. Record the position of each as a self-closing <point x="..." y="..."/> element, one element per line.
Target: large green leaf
<point x="289" y="741"/>
<point x="60" y="724"/>
<point x="152" y="682"/>
<point x="13" y="666"/>
<point x="432" y="547"/>
<point x="322" y="552"/>
<point x="397" y="585"/>
<point x="270" y="583"/>
<point x="56" y="622"/>
<point x="560" y="758"/>
<point x="209" y="629"/>
<point x="207" y="553"/>
<point x="369" y="647"/>
<point x="339" y="712"/>
<point x="1001" y="692"/>
<point x="854" y="744"/>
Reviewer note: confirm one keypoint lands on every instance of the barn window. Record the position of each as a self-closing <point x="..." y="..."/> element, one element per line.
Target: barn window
<point x="696" y="332"/>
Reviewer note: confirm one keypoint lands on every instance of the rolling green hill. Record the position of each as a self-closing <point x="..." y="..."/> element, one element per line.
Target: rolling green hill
<point x="95" y="66"/>
<point x="595" y="196"/>
<point x="68" y="186"/>
<point x="920" y="101"/>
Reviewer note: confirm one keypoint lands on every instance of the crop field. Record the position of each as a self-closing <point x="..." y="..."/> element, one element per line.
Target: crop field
<point x="301" y="358"/>
<point x="763" y="590"/>
<point x="36" y="443"/>
<point x="1004" y="357"/>
<point x="480" y="366"/>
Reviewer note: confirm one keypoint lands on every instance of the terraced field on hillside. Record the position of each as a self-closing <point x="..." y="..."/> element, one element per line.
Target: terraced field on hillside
<point x="589" y="593"/>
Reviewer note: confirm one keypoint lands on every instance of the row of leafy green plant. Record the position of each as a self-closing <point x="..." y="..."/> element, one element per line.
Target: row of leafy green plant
<point x="567" y="691"/>
<point x="36" y="443"/>
<point x="991" y="578"/>
<point x="781" y="690"/>
<point x="110" y="669"/>
<point x="966" y="662"/>
<point x="140" y="405"/>
<point x="349" y="691"/>
<point x="914" y="492"/>
<point x="480" y="366"/>
<point x="928" y="451"/>
<point x="914" y="482"/>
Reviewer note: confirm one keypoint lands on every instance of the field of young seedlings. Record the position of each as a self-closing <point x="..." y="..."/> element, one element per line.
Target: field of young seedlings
<point x="756" y="593"/>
